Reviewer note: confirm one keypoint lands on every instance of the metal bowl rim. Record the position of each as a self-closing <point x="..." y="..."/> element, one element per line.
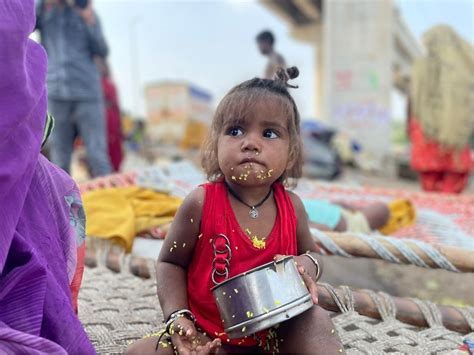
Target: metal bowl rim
<point x="274" y="312"/>
<point x="252" y="271"/>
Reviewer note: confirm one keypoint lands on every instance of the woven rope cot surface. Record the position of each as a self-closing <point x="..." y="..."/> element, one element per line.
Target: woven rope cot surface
<point x="118" y="308"/>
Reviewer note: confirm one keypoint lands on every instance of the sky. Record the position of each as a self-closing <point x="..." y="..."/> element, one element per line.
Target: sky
<point x="211" y="43"/>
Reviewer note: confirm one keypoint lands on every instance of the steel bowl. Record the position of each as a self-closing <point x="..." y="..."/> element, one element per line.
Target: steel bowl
<point x="261" y="298"/>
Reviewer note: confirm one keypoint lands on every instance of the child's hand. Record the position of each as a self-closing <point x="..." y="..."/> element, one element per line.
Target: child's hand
<point x="187" y="340"/>
<point x="308" y="280"/>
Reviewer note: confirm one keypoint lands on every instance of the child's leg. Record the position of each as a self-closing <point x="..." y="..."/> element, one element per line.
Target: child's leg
<point x="148" y="346"/>
<point x="377" y="214"/>
<point x="311" y="332"/>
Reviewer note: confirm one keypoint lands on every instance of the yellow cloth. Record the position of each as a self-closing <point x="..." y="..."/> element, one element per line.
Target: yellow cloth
<point x="402" y="214"/>
<point x="120" y="213"/>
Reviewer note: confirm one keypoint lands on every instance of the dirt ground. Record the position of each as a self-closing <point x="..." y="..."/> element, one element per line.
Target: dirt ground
<point x="439" y="286"/>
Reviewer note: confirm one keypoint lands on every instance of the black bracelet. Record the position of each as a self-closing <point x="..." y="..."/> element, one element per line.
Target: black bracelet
<point x="169" y="317"/>
<point x="180" y="313"/>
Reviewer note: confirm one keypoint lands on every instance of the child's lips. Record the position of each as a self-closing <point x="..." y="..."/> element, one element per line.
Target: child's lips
<point x="251" y="161"/>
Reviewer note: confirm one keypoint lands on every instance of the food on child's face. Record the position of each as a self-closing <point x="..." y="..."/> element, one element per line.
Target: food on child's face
<point x="249" y="170"/>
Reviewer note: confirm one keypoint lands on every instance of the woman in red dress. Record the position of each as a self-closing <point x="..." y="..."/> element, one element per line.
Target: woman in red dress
<point x="441" y="111"/>
<point x="114" y="125"/>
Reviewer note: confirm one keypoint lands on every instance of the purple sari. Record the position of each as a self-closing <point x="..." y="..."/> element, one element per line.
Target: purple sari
<point x="39" y="235"/>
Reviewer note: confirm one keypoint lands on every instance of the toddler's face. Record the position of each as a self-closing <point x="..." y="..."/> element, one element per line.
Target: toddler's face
<point x="255" y="151"/>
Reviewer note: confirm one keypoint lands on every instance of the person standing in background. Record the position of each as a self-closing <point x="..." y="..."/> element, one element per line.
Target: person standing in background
<point x="265" y="42"/>
<point x="112" y="113"/>
<point x="72" y="36"/>
<point x="440" y="112"/>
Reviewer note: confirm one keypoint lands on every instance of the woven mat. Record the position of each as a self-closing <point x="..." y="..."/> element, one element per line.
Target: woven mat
<point x="117" y="309"/>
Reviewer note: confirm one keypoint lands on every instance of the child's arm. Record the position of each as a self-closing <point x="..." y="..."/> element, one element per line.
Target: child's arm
<point x="177" y="252"/>
<point x="304" y="238"/>
<point x="306" y="244"/>
<point x="318" y="335"/>
<point x="173" y="261"/>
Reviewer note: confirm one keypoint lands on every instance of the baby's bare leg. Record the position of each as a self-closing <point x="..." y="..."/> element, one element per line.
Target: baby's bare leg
<point x="148" y="346"/>
<point x="377" y="214"/>
<point x="311" y="332"/>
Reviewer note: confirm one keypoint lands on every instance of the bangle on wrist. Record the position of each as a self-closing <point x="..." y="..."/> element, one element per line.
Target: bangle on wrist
<point x="175" y="315"/>
<point x="316" y="264"/>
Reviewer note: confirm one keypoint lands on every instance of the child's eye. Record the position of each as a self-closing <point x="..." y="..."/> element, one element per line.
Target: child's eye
<point x="235" y="131"/>
<point x="270" y="133"/>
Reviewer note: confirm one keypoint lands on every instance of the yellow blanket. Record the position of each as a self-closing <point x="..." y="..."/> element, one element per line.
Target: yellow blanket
<point x="120" y="213"/>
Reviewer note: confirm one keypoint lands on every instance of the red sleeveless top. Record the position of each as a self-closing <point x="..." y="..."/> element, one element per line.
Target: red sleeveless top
<point x="219" y="218"/>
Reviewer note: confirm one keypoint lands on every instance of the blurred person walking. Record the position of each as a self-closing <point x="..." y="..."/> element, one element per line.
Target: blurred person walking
<point x="112" y="114"/>
<point x="71" y="33"/>
<point x="265" y="41"/>
<point x="441" y="111"/>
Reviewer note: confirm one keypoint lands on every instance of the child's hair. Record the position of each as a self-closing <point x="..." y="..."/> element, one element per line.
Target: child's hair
<point x="238" y="102"/>
<point x="266" y="36"/>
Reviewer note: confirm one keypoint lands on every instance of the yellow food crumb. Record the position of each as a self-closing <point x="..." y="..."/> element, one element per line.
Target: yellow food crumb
<point x="233" y="177"/>
<point x="248" y="231"/>
<point x="277" y="302"/>
<point x="258" y="243"/>
<point x="243" y="329"/>
<point x="265" y="310"/>
<point x="249" y="314"/>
